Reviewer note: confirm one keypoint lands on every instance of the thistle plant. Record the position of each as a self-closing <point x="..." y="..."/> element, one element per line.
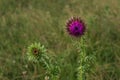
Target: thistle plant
<point x="37" y="53"/>
<point x="76" y="28"/>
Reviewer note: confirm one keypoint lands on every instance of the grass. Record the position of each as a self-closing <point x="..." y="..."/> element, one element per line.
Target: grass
<point x="23" y="22"/>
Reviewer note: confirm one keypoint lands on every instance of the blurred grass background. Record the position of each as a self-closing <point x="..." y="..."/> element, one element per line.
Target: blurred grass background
<point x="23" y="22"/>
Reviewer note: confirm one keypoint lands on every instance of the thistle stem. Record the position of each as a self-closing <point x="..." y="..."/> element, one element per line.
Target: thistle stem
<point x="82" y="55"/>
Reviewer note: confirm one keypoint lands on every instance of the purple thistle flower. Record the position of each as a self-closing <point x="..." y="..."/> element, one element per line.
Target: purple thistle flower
<point x="75" y="27"/>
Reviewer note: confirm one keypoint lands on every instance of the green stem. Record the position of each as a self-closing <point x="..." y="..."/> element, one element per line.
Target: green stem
<point x="82" y="56"/>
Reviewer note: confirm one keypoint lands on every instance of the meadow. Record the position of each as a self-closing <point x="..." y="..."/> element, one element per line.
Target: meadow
<point x="23" y="22"/>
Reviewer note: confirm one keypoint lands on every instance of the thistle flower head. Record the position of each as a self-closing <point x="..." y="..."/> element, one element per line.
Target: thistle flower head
<point x="35" y="52"/>
<point x="75" y="27"/>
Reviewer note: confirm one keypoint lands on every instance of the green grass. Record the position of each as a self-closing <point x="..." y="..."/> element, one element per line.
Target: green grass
<point x="23" y="22"/>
